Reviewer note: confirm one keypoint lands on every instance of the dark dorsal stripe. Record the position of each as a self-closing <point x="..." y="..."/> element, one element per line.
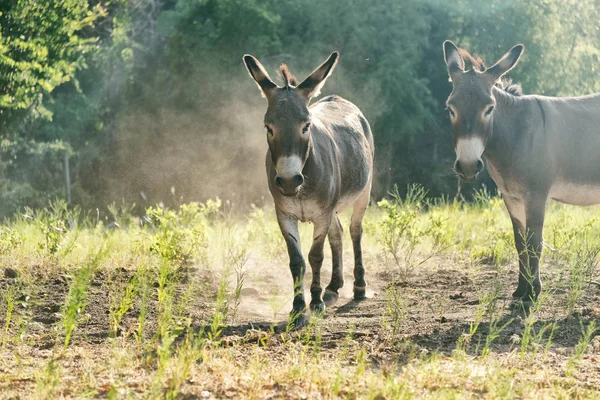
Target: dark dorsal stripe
<point x="543" y="113"/>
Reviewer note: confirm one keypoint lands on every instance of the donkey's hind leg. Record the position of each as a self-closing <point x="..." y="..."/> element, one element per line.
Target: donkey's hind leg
<point x="337" y="270"/>
<point x="528" y="224"/>
<point x="356" y="230"/>
<point x="536" y="210"/>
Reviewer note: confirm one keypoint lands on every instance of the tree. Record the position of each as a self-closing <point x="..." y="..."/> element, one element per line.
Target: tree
<point x="41" y="47"/>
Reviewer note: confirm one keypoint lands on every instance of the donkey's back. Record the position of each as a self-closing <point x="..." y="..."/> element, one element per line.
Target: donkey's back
<point x="572" y="130"/>
<point x="572" y="123"/>
<point x="342" y="133"/>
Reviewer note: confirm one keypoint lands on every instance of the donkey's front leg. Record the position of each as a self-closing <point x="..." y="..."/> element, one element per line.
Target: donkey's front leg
<point x="516" y="211"/>
<point x="521" y="245"/>
<point x="315" y="258"/>
<point x="535" y="211"/>
<point x="289" y="228"/>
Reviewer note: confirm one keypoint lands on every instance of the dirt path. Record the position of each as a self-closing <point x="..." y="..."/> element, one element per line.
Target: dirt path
<point x="438" y="303"/>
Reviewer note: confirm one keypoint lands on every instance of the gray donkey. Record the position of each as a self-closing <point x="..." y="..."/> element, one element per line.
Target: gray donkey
<point x="320" y="160"/>
<point x="535" y="147"/>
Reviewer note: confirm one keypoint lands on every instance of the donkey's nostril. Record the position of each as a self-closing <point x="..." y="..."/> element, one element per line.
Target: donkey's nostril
<point x="299" y="179"/>
<point x="289" y="184"/>
<point x="479" y="166"/>
<point x="457" y="168"/>
<point x="279" y="181"/>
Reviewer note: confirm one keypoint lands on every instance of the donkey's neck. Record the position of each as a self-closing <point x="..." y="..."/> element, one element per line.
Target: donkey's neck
<point x="504" y="100"/>
<point x="510" y="127"/>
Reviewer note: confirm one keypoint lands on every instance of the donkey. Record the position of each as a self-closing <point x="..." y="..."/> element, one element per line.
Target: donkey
<point x="535" y="147"/>
<point x="320" y="160"/>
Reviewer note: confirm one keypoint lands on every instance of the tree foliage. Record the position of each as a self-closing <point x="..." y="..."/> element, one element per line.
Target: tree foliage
<point x="42" y="45"/>
<point x="150" y="100"/>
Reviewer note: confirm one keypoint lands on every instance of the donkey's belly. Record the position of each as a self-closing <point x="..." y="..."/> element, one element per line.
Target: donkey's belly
<point x="303" y="209"/>
<point x="576" y="194"/>
<point x="345" y="202"/>
<point x="311" y="210"/>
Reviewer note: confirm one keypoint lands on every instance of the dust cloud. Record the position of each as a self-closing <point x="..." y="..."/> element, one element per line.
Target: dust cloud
<point x="212" y="145"/>
<point x="268" y="288"/>
<point x="198" y="135"/>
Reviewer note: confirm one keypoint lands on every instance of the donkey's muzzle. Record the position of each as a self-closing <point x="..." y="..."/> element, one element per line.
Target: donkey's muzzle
<point x="289" y="185"/>
<point x="468" y="171"/>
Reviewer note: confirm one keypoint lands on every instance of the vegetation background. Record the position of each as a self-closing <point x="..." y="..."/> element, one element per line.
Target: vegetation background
<point x="150" y="101"/>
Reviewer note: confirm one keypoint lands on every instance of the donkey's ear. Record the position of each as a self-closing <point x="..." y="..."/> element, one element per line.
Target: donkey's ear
<point x="454" y="60"/>
<point x="312" y="85"/>
<point x="506" y="63"/>
<point x="260" y="75"/>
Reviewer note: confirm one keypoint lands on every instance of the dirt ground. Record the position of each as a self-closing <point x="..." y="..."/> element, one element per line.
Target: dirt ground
<point x="440" y="301"/>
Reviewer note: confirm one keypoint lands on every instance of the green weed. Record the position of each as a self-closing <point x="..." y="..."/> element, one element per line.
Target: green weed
<point x="122" y="214"/>
<point x="55" y="224"/>
<point x="9" y="297"/>
<point x="122" y="304"/>
<point x="396" y="309"/>
<point x="401" y="232"/>
<point x="532" y="339"/>
<point x="76" y="301"/>
<point x="10" y="239"/>
<point x="582" y="346"/>
<point x="48" y="380"/>
<point x="464" y="340"/>
<point x="144" y="292"/>
<point x="177" y="236"/>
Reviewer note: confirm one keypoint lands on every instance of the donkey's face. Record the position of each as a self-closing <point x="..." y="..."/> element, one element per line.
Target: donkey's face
<point x="288" y="119"/>
<point x="471" y="105"/>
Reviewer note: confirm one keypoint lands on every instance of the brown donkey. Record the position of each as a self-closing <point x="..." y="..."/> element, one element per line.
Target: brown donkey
<point x="535" y="147"/>
<point x="320" y="160"/>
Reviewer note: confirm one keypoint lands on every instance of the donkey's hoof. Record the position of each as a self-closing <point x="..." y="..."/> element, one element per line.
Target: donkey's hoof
<point x="527" y="306"/>
<point x="517" y="294"/>
<point x="330" y="297"/>
<point x="360" y="293"/>
<point x="317" y="308"/>
<point x="524" y="304"/>
<point x="297" y="320"/>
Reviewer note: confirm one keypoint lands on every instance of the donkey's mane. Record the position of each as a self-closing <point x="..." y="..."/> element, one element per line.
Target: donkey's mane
<point x="283" y="72"/>
<point x="476" y="62"/>
<point x="510" y="87"/>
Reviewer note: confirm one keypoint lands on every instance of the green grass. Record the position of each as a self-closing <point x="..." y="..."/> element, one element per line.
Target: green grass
<point x="193" y="302"/>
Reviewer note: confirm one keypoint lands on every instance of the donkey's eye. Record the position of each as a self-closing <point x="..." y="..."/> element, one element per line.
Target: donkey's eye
<point x="269" y="130"/>
<point x="305" y="129"/>
<point x="489" y="111"/>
